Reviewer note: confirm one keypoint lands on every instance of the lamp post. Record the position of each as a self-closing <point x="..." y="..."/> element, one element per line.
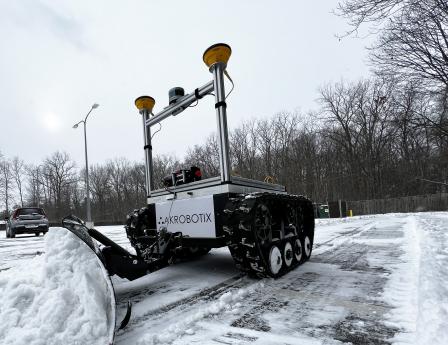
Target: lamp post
<point x="89" y="222"/>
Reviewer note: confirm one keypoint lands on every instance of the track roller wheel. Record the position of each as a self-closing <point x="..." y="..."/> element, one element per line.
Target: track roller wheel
<point x="298" y="250"/>
<point x="275" y="261"/>
<point x="306" y="247"/>
<point x="288" y="254"/>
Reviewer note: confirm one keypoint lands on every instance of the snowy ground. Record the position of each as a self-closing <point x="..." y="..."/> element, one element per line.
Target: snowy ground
<point x="371" y="280"/>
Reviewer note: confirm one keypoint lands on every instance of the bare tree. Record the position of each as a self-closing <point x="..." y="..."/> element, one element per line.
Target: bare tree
<point x="6" y="179"/>
<point x="163" y="165"/>
<point x="136" y="181"/>
<point x="266" y="145"/>
<point x="413" y="41"/>
<point x="100" y="188"/>
<point x="33" y="185"/>
<point x="285" y="126"/>
<point x="361" y="115"/>
<point x="244" y="150"/>
<point x="205" y="156"/>
<point x="59" y="174"/>
<point x="18" y="171"/>
<point x="119" y="171"/>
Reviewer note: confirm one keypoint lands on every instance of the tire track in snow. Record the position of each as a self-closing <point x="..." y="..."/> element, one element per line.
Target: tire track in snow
<point x="205" y="295"/>
<point x="353" y="231"/>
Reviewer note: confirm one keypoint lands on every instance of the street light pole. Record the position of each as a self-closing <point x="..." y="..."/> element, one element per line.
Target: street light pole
<point x="89" y="222"/>
<point x="89" y="214"/>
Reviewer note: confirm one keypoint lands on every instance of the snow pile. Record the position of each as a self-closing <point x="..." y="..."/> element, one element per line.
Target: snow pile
<point x="401" y="291"/>
<point x="60" y="297"/>
<point x="417" y="287"/>
<point x="229" y="302"/>
<point x="432" y="321"/>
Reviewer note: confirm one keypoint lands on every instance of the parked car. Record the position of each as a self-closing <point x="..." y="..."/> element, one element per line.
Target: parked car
<point x="27" y="220"/>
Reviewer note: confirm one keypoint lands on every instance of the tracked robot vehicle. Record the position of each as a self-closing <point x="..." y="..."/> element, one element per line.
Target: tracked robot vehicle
<point x="268" y="231"/>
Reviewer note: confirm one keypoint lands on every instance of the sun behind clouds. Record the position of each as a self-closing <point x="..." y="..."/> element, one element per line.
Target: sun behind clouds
<point x="50" y="121"/>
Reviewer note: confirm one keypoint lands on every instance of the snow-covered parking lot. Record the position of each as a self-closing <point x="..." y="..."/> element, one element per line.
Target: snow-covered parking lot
<point x="371" y="280"/>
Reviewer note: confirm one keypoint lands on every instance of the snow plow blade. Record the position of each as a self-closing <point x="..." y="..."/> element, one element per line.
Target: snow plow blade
<point x="76" y="226"/>
<point x="113" y="259"/>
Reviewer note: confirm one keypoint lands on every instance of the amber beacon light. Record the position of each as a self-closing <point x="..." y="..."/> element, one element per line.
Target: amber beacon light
<point x="217" y="53"/>
<point x="145" y="103"/>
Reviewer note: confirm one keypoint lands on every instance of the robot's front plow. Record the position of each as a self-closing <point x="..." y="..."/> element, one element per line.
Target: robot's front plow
<point x="113" y="259"/>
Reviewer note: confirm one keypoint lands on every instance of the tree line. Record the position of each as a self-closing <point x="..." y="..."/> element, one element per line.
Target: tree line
<point x="369" y="139"/>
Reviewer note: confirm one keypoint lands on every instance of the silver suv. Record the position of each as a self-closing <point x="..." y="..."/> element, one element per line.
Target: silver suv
<point x="27" y="220"/>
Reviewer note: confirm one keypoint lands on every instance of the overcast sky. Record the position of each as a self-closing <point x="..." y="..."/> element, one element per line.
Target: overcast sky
<point x="57" y="58"/>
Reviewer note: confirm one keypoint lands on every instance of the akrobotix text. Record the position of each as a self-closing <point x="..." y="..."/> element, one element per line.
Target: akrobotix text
<point x="189" y="218"/>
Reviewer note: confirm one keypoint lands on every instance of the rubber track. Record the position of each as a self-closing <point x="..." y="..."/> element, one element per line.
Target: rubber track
<point x="249" y="254"/>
